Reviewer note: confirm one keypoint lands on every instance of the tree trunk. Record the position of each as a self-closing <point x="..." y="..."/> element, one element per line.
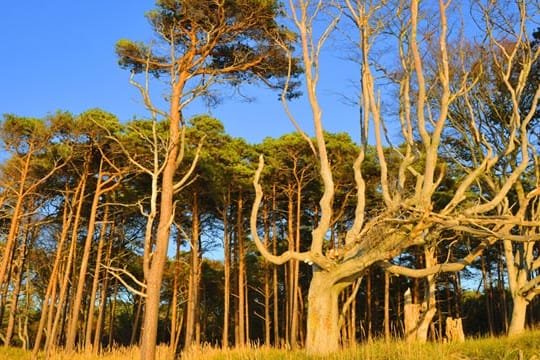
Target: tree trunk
<point x="192" y="318"/>
<point x="18" y="267"/>
<point x="52" y="334"/>
<point x="519" y="311"/>
<point x="88" y="343"/>
<point x="174" y="299"/>
<point x="323" y="315"/>
<point x="488" y="294"/>
<point x="81" y="281"/>
<point x="428" y="308"/>
<point x="386" y="305"/>
<point x="104" y="293"/>
<point x="226" y="274"/>
<point x="241" y="341"/>
<point x="11" y="240"/>
<point x="369" y="298"/>
<point x="454" y="329"/>
<point x="267" y="292"/>
<point x="274" y="268"/>
<point x="154" y="275"/>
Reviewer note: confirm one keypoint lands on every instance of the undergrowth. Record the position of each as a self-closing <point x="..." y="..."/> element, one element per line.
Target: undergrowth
<point x="526" y="346"/>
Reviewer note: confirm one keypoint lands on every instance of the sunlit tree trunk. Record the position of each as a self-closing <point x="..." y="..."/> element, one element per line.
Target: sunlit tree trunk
<point x="226" y="270"/>
<point x="68" y="266"/>
<point x="174" y="333"/>
<point x="193" y="301"/>
<point x="267" y="293"/>
<point x="104" y="291"/>
<point x="241" y="311"/>
<point x="17" y="275"/>
<point x="88" y="343"/>
<point x="323" y="315"/>
<point x="105" y="182"/>
<point x="387" y="306"/>
<point x="47" y="308"/>
<point x="275" y="280"/>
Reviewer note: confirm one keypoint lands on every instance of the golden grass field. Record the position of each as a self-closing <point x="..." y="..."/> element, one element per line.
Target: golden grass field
<point x="526" y="346"/>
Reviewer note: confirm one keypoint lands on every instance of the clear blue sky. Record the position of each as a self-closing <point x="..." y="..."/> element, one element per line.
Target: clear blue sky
<point x="59" y="55"/>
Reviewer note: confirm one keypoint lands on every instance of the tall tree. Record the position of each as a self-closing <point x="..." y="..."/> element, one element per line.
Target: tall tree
<point x="207" y="42"/>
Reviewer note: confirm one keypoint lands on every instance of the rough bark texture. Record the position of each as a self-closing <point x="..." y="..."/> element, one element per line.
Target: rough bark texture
<point x="519" y="311"/>
<point x="454" y="330"/>
<point x="323" y="316"/>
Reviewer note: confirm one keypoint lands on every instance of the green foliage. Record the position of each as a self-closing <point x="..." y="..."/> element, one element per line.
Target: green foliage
<point x="235" y="40"/>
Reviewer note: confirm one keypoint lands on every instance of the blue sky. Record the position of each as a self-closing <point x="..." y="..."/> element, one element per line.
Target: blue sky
<point x="59" y="55"/>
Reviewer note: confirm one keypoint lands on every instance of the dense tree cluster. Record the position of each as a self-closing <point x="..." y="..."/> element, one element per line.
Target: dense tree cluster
<point x="73" y="216"/>
<point x="168" y="230"/>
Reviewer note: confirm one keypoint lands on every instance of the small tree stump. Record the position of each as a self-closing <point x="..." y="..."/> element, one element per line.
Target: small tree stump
<point x="454" y="330"/>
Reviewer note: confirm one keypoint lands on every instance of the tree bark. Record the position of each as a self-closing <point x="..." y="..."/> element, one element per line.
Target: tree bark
<point x="454" y="329"/>
<point x="81" y="281"/>
<point x="519" y="311"/>
<point x="88" y="343"/>
<point x="226" y="272"/>
<point x="323" y="315"/>
<point x="241" y="341"/>
<point x="192" y="318"/>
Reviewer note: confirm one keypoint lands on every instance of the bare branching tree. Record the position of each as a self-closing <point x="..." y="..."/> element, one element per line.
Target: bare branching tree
<point x="413" y="212"/>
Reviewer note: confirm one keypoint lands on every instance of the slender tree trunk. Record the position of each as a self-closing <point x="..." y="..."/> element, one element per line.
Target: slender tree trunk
<point x="174" y="300"/>
<point x="241" y="276"/>
<point x="103" y="293"/>
<point x="387" y="306"/>
<point x="226" y="272"/>
<point x="14" y="298"/>
<point x="81" y="281"/>
<point x="369" y="300"/>
<point x="488" y="295"/>
<point x="267" y="292"/>
<point x="52" y="335"/>
<point x="192" y="320"/>
<point x="274" y="268"/>
<point x="292" y="278"/>
<point x="112" y="314"/>
<point x="136" y="320"/>
<point x="11" y="240"/>
<point x="47" y="309"/>
<point x="88" y="343"/>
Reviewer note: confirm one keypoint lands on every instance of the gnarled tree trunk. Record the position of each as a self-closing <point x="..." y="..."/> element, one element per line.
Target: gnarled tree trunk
<point x="323" y="314"/>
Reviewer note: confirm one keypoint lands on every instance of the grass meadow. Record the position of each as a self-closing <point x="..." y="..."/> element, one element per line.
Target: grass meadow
<point x="526" y="346"/>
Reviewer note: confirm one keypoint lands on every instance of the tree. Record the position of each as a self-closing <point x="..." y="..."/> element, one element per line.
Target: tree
<point x="409" y="216"/>
<point x="208" y="43"/>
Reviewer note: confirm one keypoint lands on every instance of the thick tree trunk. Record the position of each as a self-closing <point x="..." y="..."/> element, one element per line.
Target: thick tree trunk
<point x="323" y="315"/>
<point x="519" y="310"/>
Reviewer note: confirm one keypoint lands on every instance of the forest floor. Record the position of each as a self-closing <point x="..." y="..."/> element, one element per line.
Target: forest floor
<point x="526" y="346"/>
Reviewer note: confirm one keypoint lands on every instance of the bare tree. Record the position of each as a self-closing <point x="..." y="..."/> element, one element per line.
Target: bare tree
<point x="410" y="216"/>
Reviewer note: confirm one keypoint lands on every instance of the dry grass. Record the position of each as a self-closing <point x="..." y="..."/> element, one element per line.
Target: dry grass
<point x="524" y="347"/>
